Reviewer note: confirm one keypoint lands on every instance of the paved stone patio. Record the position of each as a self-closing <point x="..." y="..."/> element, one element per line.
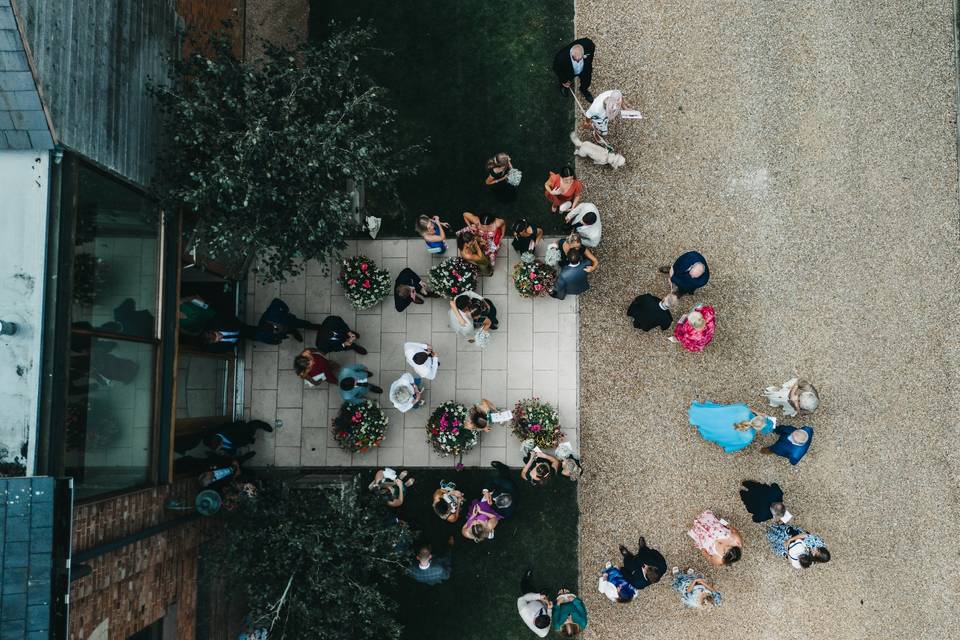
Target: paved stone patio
<point x="534" y="353"/>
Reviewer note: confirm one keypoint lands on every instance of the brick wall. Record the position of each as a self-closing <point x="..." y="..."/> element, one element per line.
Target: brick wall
<point x="135" y="585"/>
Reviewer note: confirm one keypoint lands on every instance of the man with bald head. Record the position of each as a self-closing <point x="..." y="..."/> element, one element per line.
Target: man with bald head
<point x="688" y="273"/>
<point x="575" y="61"/>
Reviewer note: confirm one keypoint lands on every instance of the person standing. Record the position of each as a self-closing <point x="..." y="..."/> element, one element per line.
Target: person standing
<point x="563" y="190"/>
<point x="585" y="220"/>
<point x="719" y="542"/>
<point x="410" y="288"/>
<point x="278" y="321"/>
<point x="569" y="614"/>
<point x="802" y="549"/>
<point x="499" y="179"/>
<point x="575" y="60"/>
<point x="573" y="277"/>
<point x="615" y="586"/>
<point x="313" y="367"/>
<point x="229" y="438"/>
<point x="694" y="330"/>
<point x="763" y="501"/>
<point x="729" y="426"/>
<point x="534" y="606"/>
<point x="792" y="444"/>
<point x="334" y="335"/>
<point x="482" y="519"/>
<point x="429" y="570"/>
<point x="433" y="233"/>
<point x="649" y="311"/>
<point x="406" y="393"/>
<point x="688" y="273"/>
<point x="355" y="382"/>
<point x="525" y="236"/>
<point x="422" y="359"/>
<point x="695" y="592"/>
<point x="794" y="396"/>
<point x="645" y="567"/>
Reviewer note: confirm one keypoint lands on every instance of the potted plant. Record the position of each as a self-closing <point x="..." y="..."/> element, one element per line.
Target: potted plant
<point x="533" y="277"/>
<point x="446" y="430"/>
<point x="363" y="283"/>
<point x="452" y="277"/>
<point x="359" y="426"/>
<point x="536" y="420"/>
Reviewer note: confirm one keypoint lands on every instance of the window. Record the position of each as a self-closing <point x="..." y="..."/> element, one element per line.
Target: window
<point x="114" y="337"/>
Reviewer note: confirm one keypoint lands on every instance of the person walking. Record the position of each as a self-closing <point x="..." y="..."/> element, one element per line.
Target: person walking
<point x="802" y="549"/>
<point x="694" y="330"/>
<point x="569" y="614"/>
<point x="573" y="277"/>
<point x="729" y="426"/>
<point x="563" y="190"/>
<point x="615" y="586"/>
<point x="575" y="60"/>
<point x="502" y="179"/>
<point x="534" y="607"/>
<point x="792" y="444"/>
<point x="719" y="542"/>
<point x="334" y="335"/>
<point x="585" y="220"/>
<point x="228" y="438"/>
<point x="314" y="368"/>
<point x="694" y="590"/>
<point x="422" y="359"/>
<point x="605" y="109"/>
<point x="526" y="236"/>
<point x="795" y="396"/>
<point x="433" y="233"/>
<point x="688" y="273"/>
<point x="409" y="289"/>
<point x="649" y="311"/>
<point x="355" y="382"/>
<point x="763" y="501"/>
<point x="645" y="567"/>
<point x="278" y="322"/>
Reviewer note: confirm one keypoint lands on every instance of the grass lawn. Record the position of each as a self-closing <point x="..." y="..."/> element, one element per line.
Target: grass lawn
<point x="479" y="601"/>
<point x="470" y="79"/>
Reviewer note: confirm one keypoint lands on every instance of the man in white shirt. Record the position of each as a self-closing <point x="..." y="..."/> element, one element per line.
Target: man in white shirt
<point x="422" y="359"/>
<point x="405" y="393"/>
<point x="585" y="220"/>
<point x="534" y="608"/>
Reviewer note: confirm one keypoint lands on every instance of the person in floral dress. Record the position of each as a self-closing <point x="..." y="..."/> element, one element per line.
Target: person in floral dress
<point x="802" y="549"/>
<point x="719" y="542"/>
<point x="695" y="592"/>
<point x="694" y="330"/>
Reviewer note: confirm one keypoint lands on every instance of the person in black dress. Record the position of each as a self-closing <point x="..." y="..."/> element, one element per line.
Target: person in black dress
<point x="335" y="335"/>
<point x="645" y="567"/>
<point x="498" y="169"/>
<point x="758" y="498"/>
<point x="575" y="60"/>
<point x="649" y="311"/>
<point x="409" y="288"/>
<point x="525" y="236"/>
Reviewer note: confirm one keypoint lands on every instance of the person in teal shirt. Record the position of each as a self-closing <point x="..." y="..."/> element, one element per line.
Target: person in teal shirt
<point x="730" y="426"/>
<point x="355" y="382"/>
<point x="569" y="614"/>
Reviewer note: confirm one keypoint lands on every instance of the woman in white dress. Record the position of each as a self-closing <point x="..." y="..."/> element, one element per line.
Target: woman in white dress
<point x="461" y="314"/>
<point x="606" y="108"/>
<point x="795" y="396"/>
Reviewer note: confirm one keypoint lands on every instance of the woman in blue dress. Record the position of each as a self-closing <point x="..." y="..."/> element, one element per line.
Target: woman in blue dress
<point x="730" y="426"/>
<point x="694" y="590"/>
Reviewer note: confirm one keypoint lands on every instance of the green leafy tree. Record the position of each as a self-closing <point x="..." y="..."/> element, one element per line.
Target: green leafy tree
<point x="265" y="153"/>
<point x="314" y="563"/>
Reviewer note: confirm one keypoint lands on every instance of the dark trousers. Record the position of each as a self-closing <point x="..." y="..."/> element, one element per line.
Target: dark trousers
<point x="527" y="586"/>
<point x="585" y="78"/>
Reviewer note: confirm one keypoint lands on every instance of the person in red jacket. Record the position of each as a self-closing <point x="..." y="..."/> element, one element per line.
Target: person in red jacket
<point x="313" y="367"/>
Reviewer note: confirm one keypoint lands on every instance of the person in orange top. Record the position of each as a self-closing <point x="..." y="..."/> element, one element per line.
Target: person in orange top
<point x="561" y="188"/>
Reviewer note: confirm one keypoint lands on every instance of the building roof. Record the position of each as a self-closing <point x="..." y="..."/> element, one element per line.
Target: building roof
<point x="93" y="61"/>
<point x="23" y="124"/>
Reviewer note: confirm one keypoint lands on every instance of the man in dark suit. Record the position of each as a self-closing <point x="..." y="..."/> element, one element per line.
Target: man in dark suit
<point x="572" y="61"/>
<point x="649" y="311"/>
<point x="643" y="568"/>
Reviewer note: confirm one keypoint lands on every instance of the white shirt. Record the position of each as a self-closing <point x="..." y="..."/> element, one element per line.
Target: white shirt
<point x="427" y="370"/>
<point x="530" y="606"/>
<point x="577" y="65"/>
<point x="597" y="110"/>
<point x="589" y="234"/>
<point x="405" y="381"/>
<point x="795" y="551"/>
<point x="606" y="588"/>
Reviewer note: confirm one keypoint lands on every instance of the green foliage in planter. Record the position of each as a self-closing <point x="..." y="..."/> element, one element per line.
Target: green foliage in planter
<point x="263" y="152"/>
<point x="314" y="563"/>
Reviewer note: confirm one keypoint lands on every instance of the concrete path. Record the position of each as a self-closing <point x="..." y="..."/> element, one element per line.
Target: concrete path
<point x="533" y="353"/>
<point x="809" y="151"/>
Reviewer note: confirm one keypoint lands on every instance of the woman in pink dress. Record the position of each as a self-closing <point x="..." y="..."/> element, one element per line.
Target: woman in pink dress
<point x="694" y="330"/>
<point x="489" y="232"/>
<point x="719" y="542"/>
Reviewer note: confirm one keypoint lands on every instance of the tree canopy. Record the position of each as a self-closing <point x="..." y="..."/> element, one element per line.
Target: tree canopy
<point x="265" y="153"/>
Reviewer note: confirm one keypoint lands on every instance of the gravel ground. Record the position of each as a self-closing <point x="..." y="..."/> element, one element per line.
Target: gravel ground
<point x="809" y="151"/>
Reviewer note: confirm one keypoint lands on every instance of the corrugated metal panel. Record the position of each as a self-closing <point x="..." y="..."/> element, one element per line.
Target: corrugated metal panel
<point x="94" y="59"/>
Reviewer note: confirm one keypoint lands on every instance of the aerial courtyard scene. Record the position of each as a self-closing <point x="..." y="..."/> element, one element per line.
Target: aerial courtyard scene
<point x="463" y="320"/>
